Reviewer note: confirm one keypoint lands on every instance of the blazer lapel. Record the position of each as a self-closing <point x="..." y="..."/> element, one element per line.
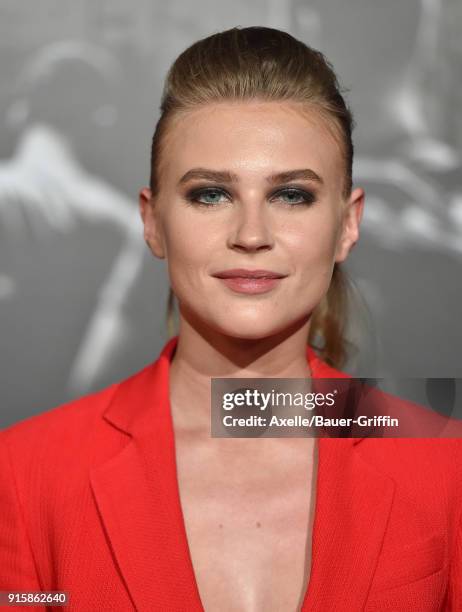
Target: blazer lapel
<point x="138" y="500"/>
<point x="353" y="504"/>
<point x="136" y="492"/>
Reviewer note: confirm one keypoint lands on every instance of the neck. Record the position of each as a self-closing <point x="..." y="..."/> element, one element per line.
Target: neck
<point x="204" y="354"/>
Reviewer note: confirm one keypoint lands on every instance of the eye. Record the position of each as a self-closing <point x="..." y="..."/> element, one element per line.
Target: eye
<point x="212" y="196"/>
<point x="209" y="196"/>
<point x="293" y="196"/>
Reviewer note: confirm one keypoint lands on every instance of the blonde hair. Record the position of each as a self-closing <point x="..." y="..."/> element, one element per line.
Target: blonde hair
<point x="271" y="65"/>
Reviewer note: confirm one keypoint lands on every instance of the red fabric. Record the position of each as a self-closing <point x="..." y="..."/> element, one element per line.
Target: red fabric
<point x="89" y="504"/>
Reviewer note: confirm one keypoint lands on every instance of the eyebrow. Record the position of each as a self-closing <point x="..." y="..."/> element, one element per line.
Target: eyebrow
<point x="223" y="176"/>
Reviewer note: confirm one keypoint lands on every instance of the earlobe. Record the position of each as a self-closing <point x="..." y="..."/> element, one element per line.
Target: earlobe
<point x="152" y="235"/>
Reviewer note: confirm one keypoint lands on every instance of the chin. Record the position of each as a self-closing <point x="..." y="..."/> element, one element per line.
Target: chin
<point x="249" y="328"/>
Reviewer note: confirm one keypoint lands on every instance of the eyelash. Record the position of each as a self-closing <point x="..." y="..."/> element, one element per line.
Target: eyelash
<point x="193" y="196"/>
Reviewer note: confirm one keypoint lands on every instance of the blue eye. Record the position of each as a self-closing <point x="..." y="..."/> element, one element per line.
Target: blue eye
<point x="293" y="196"/>
<point x="212" y="196"/>
<point x="207" y="197"/>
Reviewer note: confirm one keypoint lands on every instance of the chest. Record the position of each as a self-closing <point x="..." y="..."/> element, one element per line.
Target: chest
<point x="249" y="525"/>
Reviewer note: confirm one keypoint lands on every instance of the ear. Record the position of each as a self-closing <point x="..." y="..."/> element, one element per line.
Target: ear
<point x="352" y="216"/>
<point x="151" y="223"/>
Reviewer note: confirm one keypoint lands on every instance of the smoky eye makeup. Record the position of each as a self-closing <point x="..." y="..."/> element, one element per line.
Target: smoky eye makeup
<point x="295" y="195"/>
<point x="207" y="196"/>
<point x="289" y="195"/>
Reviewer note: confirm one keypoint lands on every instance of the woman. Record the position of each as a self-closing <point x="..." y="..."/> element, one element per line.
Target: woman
<point x="122" y="498"/>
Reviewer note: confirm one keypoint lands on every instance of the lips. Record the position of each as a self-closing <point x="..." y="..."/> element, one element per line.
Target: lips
<point x="245" y="273"/>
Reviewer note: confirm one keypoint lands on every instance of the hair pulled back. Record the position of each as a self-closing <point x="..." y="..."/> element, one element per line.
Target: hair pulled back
<point x="269" y="65"/>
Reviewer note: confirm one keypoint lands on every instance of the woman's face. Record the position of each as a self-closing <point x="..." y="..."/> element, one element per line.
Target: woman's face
<point x="253" y="185"/>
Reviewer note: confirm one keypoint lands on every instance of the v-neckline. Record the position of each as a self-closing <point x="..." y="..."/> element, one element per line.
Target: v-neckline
<point x="138" y="489"/>
<point x="313" y="362"/>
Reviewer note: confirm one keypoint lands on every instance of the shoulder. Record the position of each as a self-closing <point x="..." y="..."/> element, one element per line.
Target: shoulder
<point x="425" y="447"/>
<point x="426" y="474"/>
<point x="73" y="433"/>
<point x="47" y="461"/>
<point x="424" y="460"/>
<point x="74" y="416"/>
<point x="416" y="459"/>
<point x="46" y="450"/>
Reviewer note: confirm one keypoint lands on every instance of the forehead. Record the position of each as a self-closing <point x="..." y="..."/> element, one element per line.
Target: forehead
<point x="252" y="138"/>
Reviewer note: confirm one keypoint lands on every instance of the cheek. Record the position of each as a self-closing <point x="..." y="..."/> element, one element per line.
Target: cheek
<point x="311" y="243"/>
<point x="189" y="245"/>
<point x="180" y="232"/>
<point x="311" y="247"/>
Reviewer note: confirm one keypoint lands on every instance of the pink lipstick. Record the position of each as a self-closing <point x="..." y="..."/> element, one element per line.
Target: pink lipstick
<point x="248" y="281"/>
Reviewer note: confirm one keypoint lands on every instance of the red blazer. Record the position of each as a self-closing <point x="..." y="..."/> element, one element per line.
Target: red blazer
<point x="89" y="504"/>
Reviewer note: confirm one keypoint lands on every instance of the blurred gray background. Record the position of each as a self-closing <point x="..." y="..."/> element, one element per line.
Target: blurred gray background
<point x="82" y="301"/>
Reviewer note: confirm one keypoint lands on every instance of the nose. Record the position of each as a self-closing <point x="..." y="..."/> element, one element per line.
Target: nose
<point x="250" y="230"/>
